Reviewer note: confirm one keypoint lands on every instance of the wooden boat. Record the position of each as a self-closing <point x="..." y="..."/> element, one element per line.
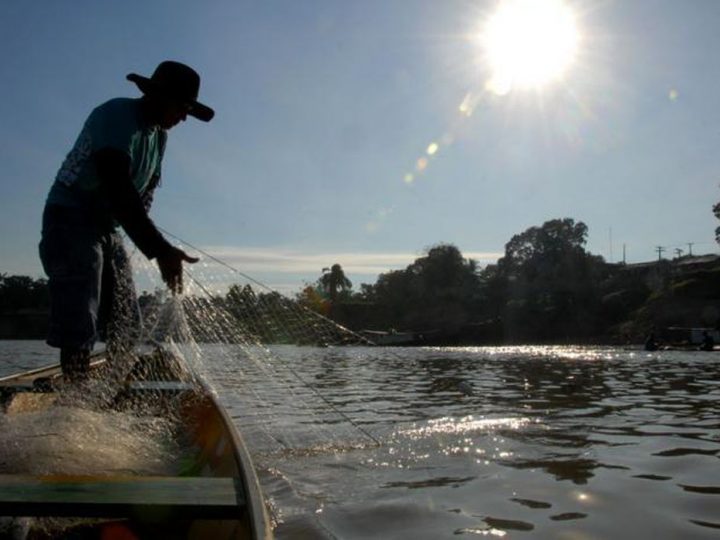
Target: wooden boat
<point x="217" y="497"/>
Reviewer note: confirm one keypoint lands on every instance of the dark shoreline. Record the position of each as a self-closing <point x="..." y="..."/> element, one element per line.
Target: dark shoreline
<point x="24" y="324"/>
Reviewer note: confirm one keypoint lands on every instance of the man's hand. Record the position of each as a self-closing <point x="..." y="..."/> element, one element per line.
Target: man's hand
<point x="170" y="264"/>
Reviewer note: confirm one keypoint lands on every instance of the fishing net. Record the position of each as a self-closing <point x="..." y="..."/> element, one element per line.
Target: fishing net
<point x="243" y="339"/>
<point x="249" y="342"/>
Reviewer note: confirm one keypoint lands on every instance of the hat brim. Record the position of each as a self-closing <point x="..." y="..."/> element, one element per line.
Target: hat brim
<point x="148" y="87"/>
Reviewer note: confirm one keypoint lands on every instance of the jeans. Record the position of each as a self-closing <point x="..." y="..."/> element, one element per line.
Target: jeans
<point x="90" y="281"/>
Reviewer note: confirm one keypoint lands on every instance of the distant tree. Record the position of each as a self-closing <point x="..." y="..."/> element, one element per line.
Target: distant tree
<point x="493" y="286"/>
<point x="716" y="211"/>
<point x="550" y="243"/>
<point x="333" y="281"/>
<point x="391" y="295"/>
<point x="310" y="298"/>
<point x="439" y="289"/>
<point x="550" y="283"/>
<point x="238" y="296"/>
<point x="444" y="286"/>
<point x="366" y="293"/>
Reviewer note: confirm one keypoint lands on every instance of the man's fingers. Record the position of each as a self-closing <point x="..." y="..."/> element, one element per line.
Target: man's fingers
<point x="171" y="282"/>
<point x="175" y="284"/>
<point x="171" y="269"/>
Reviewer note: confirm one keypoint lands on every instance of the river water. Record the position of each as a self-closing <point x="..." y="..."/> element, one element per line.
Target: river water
<point x="506" y="442"/>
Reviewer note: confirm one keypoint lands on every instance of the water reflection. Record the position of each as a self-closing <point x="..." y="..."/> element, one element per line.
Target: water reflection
<point x="507" y="436"/>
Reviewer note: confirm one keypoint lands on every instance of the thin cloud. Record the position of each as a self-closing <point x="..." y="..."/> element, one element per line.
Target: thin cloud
<point x="283" y="270"/>
<point x="278" y="260"/>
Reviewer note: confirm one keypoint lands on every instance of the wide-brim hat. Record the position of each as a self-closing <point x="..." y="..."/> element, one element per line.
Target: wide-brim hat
<point x="174" y="80"/>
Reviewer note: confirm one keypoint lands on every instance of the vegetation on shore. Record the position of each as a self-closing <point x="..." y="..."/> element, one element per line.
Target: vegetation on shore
<point x="547" y="288"/>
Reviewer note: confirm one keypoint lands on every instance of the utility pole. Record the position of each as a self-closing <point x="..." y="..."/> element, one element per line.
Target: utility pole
<point x="690" y="245"/>
<point x="624" y="262"/>
<point x="678" y="253"/>
<point x="659" y="250"/>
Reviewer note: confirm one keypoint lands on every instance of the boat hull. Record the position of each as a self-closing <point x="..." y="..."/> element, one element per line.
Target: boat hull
<point x="215" y="495"/>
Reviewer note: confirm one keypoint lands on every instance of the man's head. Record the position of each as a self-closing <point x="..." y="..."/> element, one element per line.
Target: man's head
<point x="172" y="91"/>
<point x="167" y="112"/>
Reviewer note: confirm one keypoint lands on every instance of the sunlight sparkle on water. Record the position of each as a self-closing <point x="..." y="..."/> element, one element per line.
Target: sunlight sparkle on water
<point x="466" y="424"/>
<point x="585" y="497"/>
<point x="484" y="532"/>
<point x="569" y="352"/>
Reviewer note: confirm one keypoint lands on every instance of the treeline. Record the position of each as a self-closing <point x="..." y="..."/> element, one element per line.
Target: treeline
<point x="24" y="307"/>
<point x="18" y="293"/>
<point x="546" y="287"/>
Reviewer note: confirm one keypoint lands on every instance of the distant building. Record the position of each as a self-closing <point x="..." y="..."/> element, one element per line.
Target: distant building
<point x="700" y="262"/>
<point x="656" y="273"/>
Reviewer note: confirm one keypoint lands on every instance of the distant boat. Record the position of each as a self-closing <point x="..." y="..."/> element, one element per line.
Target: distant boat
<point x="217" y="497"/>
<point x="681" y="338"/>
<point x="391" y="338"/>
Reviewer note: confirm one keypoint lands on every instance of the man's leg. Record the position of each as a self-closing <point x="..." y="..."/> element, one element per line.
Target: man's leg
<point x="75" y="363"/>
<point x="72" y="259"/>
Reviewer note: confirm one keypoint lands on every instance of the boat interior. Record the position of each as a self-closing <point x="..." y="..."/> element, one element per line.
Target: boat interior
<point x="212" y="494"/>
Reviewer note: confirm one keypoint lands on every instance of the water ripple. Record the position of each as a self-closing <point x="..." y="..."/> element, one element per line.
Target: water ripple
<point x="488" y="440"/>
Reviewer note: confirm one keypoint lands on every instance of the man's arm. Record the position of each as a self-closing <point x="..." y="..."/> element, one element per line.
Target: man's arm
<point x="126" y="205"/>
<point x="149" y="193"/>
<point x="113" y="167"/>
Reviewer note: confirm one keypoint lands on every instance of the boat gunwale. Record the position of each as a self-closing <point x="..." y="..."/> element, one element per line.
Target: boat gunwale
<point x="255" y="503"/>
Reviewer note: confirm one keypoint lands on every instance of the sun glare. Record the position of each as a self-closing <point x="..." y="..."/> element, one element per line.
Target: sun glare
<point x="528" y="43"/>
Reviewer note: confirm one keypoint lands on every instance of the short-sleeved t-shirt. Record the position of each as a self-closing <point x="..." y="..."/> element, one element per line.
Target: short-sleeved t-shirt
<point x="116" y="124"/>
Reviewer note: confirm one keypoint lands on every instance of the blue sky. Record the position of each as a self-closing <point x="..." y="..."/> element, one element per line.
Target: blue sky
<point x="324" y="107"/>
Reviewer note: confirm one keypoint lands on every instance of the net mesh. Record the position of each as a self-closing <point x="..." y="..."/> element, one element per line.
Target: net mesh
<point x="249" y="342"/>
<point x="246" y="341"/>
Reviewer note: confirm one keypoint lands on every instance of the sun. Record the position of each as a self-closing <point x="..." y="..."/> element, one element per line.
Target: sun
<point x="528" y="43"/>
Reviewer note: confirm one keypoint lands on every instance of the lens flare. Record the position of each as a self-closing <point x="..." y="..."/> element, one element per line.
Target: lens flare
<point x="525" y="44"/>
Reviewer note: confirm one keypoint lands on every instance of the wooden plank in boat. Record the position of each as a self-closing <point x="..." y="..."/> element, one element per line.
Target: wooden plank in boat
<point x="140" y="386"/>
<point x="17" y="386"/>
<point x="146" y="498"/>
